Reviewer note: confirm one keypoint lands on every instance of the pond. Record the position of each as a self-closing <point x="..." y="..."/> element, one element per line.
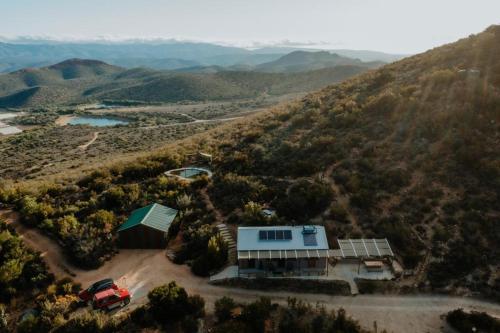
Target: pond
<point x="96" y="121"/>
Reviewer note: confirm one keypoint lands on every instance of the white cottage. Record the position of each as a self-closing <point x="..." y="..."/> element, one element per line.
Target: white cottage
<point x="282" y="251"/>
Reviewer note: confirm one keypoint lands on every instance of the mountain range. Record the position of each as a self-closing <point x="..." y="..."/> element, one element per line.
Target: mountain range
<point x="165" y="55"/>
<point x="78" y="80"/>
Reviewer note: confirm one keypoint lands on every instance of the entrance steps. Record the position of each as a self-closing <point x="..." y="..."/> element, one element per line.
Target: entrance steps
<point x="231" y="244"/>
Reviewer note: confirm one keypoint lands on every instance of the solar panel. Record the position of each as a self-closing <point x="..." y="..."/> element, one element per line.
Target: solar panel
<point x="271" y="234"/>
<point x="275" y="234"/>
<point x="310" y="240"/>
<point x="279" y="234"/>
<point x="262" y="234"/>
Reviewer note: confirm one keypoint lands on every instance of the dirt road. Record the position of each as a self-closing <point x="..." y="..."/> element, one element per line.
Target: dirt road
<point x="86" y="145"/>
<point x="142" y="270"/>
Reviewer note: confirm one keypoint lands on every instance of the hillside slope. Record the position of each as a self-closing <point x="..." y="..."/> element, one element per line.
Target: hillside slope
<point x="412" y="151"/>
<point x="409" y="152"/>
<point x="300" y="61"/>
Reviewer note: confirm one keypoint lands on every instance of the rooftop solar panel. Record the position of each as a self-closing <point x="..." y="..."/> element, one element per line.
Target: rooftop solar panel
<point x="275" y="234"/>
<point x="262" y="234"/>
<point x="279" y="234"/>
<point x="310" y="240"/>
<point x="271" y="234"/>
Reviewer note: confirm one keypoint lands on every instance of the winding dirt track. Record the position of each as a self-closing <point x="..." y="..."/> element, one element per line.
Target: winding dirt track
<point x="86" y="145"/>
<point x="141" y="270"/>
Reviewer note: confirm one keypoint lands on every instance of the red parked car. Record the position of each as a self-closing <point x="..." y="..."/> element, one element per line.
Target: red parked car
<point x="111" y="298"/>
<point x="86" y="295"/>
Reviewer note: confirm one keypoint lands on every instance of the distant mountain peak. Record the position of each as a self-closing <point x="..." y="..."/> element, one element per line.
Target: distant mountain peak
<point x="79" y="62"/>
<point x="299" y="61"/>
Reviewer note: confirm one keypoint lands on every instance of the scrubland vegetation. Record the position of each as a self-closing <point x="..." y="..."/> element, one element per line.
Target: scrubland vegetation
<point x="412" y="146"/>
<point x="20" y="267"/>
<point x="171" y="309"/>
<point x="84" y="216"/>
<point x="472" y="322"/>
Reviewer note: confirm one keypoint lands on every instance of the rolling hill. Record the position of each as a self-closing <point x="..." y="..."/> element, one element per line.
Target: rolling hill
<point x="300" y="61"/>
<point x="78" y="81"/>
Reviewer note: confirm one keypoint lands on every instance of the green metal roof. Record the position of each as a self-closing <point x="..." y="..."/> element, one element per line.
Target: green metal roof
<point x="155" y="216"/>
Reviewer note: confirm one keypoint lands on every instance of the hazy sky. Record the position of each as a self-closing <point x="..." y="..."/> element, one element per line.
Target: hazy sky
<point x="398" y="26"/>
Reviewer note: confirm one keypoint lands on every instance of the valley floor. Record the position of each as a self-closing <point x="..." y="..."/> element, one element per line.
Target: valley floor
<point x="142" y="270"/>
<point x="55" y="149"/>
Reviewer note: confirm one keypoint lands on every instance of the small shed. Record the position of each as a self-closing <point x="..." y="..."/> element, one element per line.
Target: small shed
<point x="147" y="227"/>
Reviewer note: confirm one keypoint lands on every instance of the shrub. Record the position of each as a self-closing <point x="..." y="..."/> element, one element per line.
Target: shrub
<point x="305" y="199"/>
<point x="89" y="321"/>
<point x="20" y="267"/>
<point x="223" y="309"/>
<point x="170" y="304"/>
<point x="471" y="322"/>
<point x="339" y="213"/>
<point x="255" y="314"/>
<point x="232" y="191"/>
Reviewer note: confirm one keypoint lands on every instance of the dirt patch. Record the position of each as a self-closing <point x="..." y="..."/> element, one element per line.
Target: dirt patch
<point x="64" y="120"/>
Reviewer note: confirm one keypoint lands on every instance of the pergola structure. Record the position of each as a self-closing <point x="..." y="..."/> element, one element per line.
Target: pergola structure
<point x="282" y="254"/>
<point x="363" y="248"/>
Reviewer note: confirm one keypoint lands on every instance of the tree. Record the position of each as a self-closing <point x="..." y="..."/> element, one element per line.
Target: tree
<point x="170" y="303"/>
<point x="103" y="220"/>
<point x="67" y="225"/>
<point x="255" y="314"/>
<point x="306" y="199"/>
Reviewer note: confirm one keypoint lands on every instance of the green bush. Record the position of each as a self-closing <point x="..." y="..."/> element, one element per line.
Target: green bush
<point x="474" y="321"/>
<point x="170" y="303"/>
<point x="20" y="268"/>
<point x="223" y="309"/>
<point x="305" y="199"/>
<point x="232" y="191"/>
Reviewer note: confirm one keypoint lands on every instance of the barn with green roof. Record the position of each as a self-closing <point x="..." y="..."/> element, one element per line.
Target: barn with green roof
<point x="147" y="227"/>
